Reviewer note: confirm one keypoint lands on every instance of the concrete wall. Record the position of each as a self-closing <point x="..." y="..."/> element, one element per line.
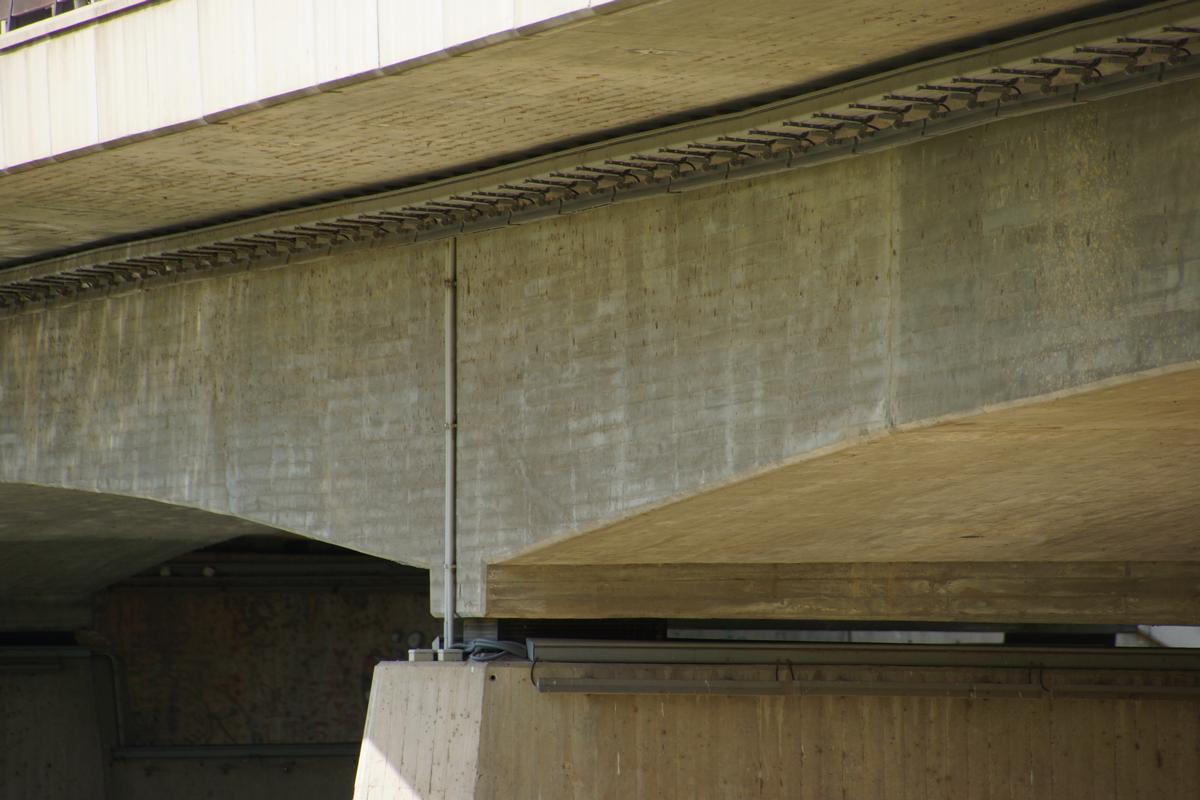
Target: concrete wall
<point x="196" y="687"/>
<point x="52" y="727"/>
<point x="892" y="742"/>
<point x="635" y="353"/>
<point x="327" y="778"/>
<point x="277" y="663"/>
<point x="310" y="397"/>
<point x="55" y="738"/>
<point x="422" y="733"/>
<point x="618" y="358"/>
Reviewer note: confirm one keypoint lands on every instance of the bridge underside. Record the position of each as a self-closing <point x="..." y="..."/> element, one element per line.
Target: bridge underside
<point x="1081" y="509"/>
<point x="954" y="383"/>
<point x="58" y="546"/>
<point x="410" y="113"/>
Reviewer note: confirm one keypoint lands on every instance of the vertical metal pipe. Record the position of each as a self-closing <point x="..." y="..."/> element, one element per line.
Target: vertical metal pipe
<point x="450" y="561"/>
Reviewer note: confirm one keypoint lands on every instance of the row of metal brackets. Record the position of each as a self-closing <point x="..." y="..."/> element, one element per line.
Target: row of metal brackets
<point x="837" y="131"/>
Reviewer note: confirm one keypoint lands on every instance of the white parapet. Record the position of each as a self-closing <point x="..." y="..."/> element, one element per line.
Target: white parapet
<point x="125" y="69"/>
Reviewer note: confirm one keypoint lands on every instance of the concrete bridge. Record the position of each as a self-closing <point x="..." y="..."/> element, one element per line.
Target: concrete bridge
<point x="759" y="317"/>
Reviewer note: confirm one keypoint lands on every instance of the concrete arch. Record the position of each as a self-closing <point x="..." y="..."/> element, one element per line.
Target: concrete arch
<point x="59" y="546"/>
<point x="219" y="396"/>
<point x="57" y="542"/>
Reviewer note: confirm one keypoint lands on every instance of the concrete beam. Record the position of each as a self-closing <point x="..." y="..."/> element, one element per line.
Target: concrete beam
<point x="617" y="359"/>
<point x="1102" y="593"/>
<point x="1080" y="509"/>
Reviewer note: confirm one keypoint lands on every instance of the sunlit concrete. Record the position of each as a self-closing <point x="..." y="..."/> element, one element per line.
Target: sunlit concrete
<point x="442" y="731"/>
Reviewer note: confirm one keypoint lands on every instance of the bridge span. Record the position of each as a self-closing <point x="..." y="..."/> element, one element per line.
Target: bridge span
<point x="632" y="319"/>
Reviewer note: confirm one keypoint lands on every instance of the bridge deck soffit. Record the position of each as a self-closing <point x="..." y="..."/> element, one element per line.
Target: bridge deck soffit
<point x="1084" y="508"/>
<point x="66" y="542"/>
<point x="289" y="154"/>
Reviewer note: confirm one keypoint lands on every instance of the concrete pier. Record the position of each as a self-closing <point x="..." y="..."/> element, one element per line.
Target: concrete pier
<point x="452" y="732"/>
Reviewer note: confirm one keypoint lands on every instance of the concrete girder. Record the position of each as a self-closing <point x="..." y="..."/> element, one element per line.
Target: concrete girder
<point x="639" y="352"/>
<point x="1082" y="509"/>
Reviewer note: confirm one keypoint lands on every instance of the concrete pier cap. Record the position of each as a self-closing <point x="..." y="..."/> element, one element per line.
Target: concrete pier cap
<point x="443" y="731"/>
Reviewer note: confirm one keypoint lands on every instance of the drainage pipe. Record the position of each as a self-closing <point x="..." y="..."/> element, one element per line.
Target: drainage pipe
<point x="450" y="559"/>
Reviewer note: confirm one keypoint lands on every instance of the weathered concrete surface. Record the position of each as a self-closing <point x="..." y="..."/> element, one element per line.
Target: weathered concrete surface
<point x="899" y="743"/>
<point x="274" y="652"/>
<point x="171" y="92"/>
<point x="190" y="685"/>
<point x="66" y="543"/>
<point x="324" y="778"/>
<point x="53" y="735"/>
<point x="422" y="732"/>
<point x="625" y="356"/>
<point x="291" y="397"/>
<point x="269" y="662"/>
<point x="1061" y="480"/>
<point x="734" y="329"/>
<point x="1082" y="509"/>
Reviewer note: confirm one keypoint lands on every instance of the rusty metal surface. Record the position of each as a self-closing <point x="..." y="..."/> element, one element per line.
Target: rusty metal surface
<point x="250" y="666"/>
